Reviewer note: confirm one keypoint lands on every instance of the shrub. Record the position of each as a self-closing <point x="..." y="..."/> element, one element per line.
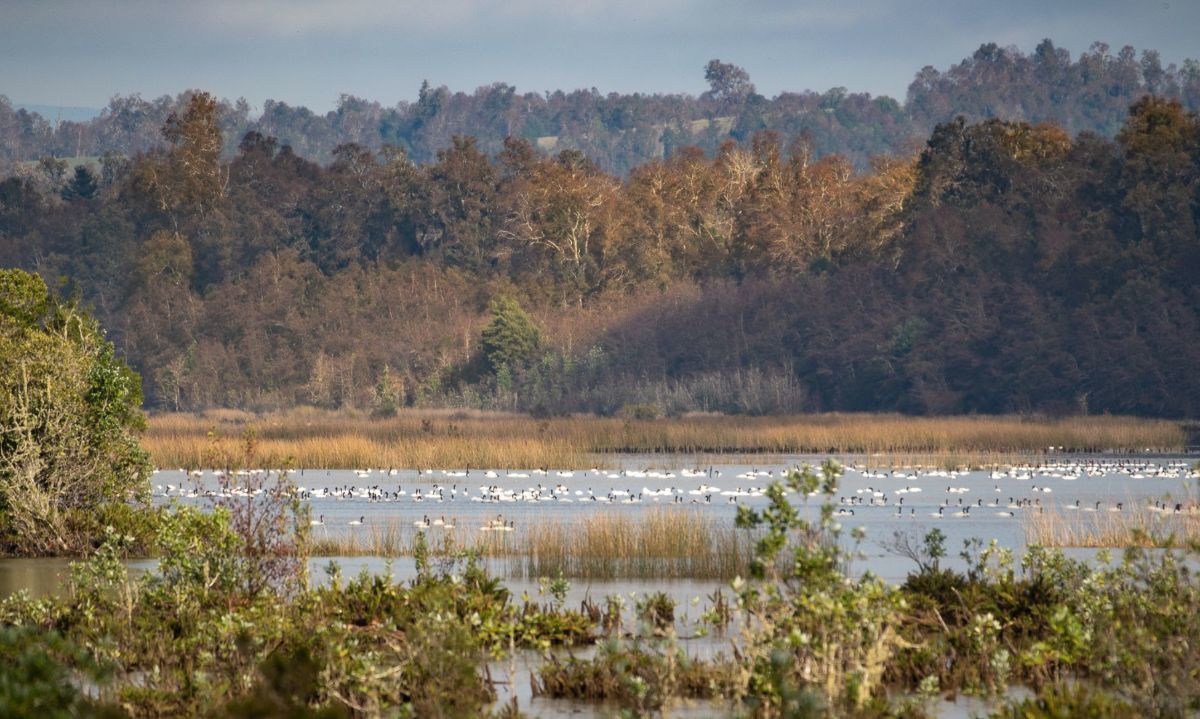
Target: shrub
<point x="38" y="679"/>
<point x="69" y="423"/>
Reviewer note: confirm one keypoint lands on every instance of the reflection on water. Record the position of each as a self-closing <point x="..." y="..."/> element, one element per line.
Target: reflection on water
<point x="39" y="577"/>
<point x="45" y="577"/>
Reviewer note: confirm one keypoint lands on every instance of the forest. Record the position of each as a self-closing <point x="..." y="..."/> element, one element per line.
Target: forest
<point x="1091" y="92"/>
<point x="1038" y="254"/>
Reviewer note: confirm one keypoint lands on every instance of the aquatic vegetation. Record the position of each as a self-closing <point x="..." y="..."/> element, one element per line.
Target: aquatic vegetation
<point x="1160" y="525"/>
<point x="810" y="628"/>
<point x="220" y="627"/>
<point x="212" y="619"/>
<point x="638" y="675"/>
<point x="1069" y="700"/>
<point x="817" y="643"/>
<point x="441" y="438"/>
<point x="660" y="543"/>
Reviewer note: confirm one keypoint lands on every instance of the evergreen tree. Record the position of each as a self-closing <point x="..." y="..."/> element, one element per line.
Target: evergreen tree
<point x="82" y="186"/>
<point x="389" y="394"/>
<point x="511" y="338"/>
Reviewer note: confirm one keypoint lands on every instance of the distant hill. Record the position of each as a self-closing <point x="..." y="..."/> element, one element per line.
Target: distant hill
<point x="1090" y="92"/>
<point x="60" y="113"/>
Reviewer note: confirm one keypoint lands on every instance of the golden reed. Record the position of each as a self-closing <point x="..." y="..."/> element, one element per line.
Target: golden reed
<point x="1133" y="525"/>
<point x="455" y="439"/>
<point x="658" y="543"/>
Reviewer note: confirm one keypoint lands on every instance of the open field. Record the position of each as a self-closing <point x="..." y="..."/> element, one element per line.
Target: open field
<point x="445" y="438"/>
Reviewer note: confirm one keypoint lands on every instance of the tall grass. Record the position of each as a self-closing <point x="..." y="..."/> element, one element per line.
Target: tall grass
<point x="433" y="438"/>
<point x="1138" y="526"/>
<point x="390" y="538"/>
<point x="660" y="543"/>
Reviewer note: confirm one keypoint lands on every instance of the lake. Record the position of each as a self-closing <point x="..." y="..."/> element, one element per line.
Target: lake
<point x="983" y="504"/>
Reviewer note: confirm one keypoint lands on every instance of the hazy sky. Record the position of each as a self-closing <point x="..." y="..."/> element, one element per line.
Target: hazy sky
<point x="60" y="52"/>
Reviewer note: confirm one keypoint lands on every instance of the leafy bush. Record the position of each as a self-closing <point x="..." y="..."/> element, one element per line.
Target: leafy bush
<point x="69" y="421"/>
<point x="811" y="628"/>
<point x="39" y="677"/>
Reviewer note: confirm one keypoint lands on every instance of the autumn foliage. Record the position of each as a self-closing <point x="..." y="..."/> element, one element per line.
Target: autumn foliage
<point x="1009" y="267"/>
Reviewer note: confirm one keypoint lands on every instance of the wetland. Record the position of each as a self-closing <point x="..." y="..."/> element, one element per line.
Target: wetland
<point x="644" y="584"/>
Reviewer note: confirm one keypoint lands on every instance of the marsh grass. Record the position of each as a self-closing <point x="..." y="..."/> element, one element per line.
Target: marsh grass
<point x="657" y="544"/>
<point x="1133" y="526"/>
<point x="394" y="538"/>
<point x="443" y="439"/>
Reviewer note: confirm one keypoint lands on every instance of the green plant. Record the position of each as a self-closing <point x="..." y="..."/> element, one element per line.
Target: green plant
<point x="811" y="628"/>
<point x="657" y="612"/>
<point x="41" y="671"/>
<point x="511" y="338"/>
<point x="1066" y="701"/>
<point x="557" y="588"/>
<point x="69" y="423"/>
<point x="637" y="676"/>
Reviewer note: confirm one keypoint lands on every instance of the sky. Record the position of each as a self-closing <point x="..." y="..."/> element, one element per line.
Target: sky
<point x="305" y="52"/>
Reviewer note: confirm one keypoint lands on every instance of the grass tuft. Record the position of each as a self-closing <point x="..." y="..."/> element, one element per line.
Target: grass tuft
<point x="660" y="543"/>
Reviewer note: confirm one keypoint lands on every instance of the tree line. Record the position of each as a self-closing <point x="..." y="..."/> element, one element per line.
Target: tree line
<point x="621" y="132"/>
<point x="1007" y="267"/>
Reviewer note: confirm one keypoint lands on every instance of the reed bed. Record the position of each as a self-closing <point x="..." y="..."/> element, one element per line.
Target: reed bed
<point x="657" y="544"/>
<point x="445" y="439"/>
<point x="1138" y="526"/>
<point x="660" y="544"/>
<point x="347" y="451"/>
<point x="949" y="460"/>
<point x="390" y="538"/>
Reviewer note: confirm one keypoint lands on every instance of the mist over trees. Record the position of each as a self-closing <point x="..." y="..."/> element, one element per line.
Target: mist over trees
<point x="1006" y="267"/>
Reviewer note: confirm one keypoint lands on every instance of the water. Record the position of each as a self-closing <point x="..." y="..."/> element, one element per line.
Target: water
<point x="341" y="498"/>
<point x="974" y="505"/>
<point x="979" y="504"/>
<point x="40" y="577"/>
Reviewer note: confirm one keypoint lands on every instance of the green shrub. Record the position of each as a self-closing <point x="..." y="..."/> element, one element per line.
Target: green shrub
<point x="40" y="674"/>
<point x="69" y="421"/>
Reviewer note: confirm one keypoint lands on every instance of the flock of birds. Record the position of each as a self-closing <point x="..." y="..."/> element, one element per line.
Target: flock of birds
<point x="499" y="524"/>
<point x="895" y="486"/>
<point x="1062" y="471"/>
